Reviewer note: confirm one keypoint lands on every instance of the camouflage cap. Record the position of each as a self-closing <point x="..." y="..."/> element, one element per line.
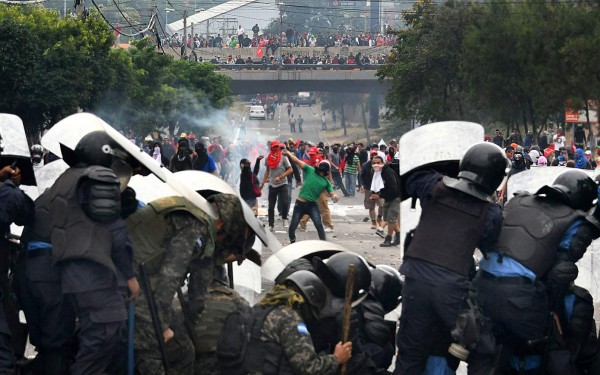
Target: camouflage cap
<point x="230" y="212"/>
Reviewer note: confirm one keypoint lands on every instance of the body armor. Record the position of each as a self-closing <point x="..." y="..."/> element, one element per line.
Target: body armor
<point x="533" y="243"/>
<point x="41" y="230"/>
<point x="148" y="229"/>
<point x="452" y="244"/>
<point x="74" y="234"/>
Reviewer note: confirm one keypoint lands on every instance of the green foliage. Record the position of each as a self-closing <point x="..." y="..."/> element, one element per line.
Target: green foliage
<point x="52" y="67"/>
<point x="512" y="62"/>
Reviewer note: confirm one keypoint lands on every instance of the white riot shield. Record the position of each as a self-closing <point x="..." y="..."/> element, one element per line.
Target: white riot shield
<point x="277" y="262"/>
<point x="46" y="175"/>
<point x="531" y="181"/>
<point x="437" y="142"/>
<point x="70" y="130"/>
<point x="15" y="149"/>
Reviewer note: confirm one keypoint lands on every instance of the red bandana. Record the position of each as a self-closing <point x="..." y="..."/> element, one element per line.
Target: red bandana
<point x="274" y="158"/>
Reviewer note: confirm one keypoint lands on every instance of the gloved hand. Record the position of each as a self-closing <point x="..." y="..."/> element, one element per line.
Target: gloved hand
<point x="562" y="273"/>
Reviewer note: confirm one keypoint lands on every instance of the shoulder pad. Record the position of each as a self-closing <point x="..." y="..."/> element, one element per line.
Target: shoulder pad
<point x="101" y="174"/>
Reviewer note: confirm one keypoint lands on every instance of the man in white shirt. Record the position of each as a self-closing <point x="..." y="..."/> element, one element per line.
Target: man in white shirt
<point x="240" y="35"/>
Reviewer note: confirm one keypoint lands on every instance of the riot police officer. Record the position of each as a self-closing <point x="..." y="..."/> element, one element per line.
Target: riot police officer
<point x="50" y="317"/>
<point x="18" y="208"/>
<point x="329" y="328"/>
<point x="378" y="333"/>
<point x="527" y="273"/>
<point x="92" y="247"/>
<point x="460" y="213"/>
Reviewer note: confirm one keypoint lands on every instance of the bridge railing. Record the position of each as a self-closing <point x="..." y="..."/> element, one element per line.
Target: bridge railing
<point x="299" y="67"/>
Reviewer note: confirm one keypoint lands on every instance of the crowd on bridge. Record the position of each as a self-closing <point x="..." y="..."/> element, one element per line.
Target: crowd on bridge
<point x="289" y="38"/>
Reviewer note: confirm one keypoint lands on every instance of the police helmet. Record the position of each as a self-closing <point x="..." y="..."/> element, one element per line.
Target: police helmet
<point x="575" y="188"/>
<point x="334" y="273"/>
<point x="37" y="149"/>
<point x="386" y="286"/>
<point x="481" y="170"/>
<point x="95" y="148"/>
<point x="310" y="286"/>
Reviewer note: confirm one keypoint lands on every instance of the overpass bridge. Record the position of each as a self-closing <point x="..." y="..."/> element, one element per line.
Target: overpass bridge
<point x="264" y="79"/>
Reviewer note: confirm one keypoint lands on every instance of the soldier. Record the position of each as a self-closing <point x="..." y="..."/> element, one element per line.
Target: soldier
<point x="221" y="301"/>
<point x="92" y="247"/>
<point x="528" y="272"/>
<point x="460" y="213"/>
<point x="18" y="208"/>
<point x="166" y="235"/>
<point x="283" y="344"/>
<point x="195" y="243"/>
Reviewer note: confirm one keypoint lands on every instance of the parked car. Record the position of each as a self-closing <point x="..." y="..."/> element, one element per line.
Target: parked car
<point x="257" y="112"/>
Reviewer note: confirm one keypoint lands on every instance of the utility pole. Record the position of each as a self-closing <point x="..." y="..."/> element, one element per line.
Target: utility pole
<point x="184" y="44"/>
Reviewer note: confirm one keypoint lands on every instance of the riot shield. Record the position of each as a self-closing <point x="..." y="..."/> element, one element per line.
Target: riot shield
<point x="277" y="262"/>
<point x="439" y="142"/>
<point x="69" y="131"/>
<point x="15" y="148"/>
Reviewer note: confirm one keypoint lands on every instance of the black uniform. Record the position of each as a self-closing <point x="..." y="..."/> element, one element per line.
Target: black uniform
<point x="437" y="263"/>
<point x="18" y="208"/>
<point x="92" y="247"/>
<point x="513" y="285"/>
<point x="376" y="332"/>
<point x="50" y="318"/>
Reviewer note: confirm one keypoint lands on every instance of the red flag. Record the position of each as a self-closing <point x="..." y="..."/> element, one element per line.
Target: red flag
<point x="259" y="52"/>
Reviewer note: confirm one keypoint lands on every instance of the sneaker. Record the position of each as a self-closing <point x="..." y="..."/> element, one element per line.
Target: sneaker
<point x="380" y="233"/>
<point x="328" y="229"/>
<point x="272" y="228"/>
<point x="285" y="223"/>
<point x="387" y="242"/>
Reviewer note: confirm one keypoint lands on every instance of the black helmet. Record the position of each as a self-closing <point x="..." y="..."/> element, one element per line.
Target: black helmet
<point x="310" y="286"/>
<point x="575" y="188"/>
<point x="386" y="286"/>
<point x="95" y="148"/>
<point x="295" y="266"/>
<point x="481" y="170"/>
<point x="334" y="272"/>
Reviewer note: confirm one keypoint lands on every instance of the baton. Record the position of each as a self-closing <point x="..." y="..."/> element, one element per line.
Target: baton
<point x="348" y="308"/>
<point x="230" y="274"/>
<point x="130" y="337"/>
<point x="154" y="315"/>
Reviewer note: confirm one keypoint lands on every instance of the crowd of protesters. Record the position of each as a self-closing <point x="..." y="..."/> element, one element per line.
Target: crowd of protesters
<point x="349" y="169"/>
<point x="290" y="38"/>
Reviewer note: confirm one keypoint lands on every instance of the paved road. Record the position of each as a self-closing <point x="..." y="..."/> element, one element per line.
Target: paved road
<point x="350" y="229"/>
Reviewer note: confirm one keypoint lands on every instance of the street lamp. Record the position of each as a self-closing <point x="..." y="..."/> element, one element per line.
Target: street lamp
<point x="167" y="11"/>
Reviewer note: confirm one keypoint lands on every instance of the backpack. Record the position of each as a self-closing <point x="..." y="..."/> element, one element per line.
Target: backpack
<point x="239" y="349"/>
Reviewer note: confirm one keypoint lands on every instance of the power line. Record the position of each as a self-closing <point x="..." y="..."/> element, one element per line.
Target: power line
<point x="150" y="23"/>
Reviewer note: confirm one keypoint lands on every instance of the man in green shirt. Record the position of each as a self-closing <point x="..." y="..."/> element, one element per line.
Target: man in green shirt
<point x="315" y="181"/>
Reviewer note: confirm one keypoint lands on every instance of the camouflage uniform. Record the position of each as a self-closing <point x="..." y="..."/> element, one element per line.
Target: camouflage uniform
<point x="167" y="235"/>
<point x="284" y="326"/>
<point x="221" y="301"/>
<point x="201" y="269"/>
